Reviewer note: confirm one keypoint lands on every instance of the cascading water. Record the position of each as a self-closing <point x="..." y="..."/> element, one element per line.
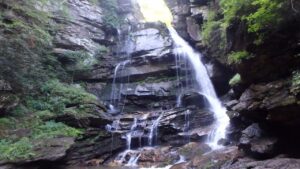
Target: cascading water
<point x="115" y="92"/>
<point x="183" y="49"/>
<point x="153" y="129"/>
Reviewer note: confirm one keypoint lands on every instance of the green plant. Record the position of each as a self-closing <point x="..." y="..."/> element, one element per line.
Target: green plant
<point x="111" y="17"/>
<point x="237" y="57"/>
<point x="209" y="27"/>
<point x="295" y="88"/>
<point x="22" y="149"/>
<point x="52" y="129"/>
<point x="260" y="15"/>
<point x="7" y="122"/>
<point x="236" y="79"/>
<point x="81" y="60"/>
<point x="56" y="96"/>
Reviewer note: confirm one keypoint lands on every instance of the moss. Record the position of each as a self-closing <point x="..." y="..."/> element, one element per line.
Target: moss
<point x="236" y="79"/>
<point x="237" y="57"/>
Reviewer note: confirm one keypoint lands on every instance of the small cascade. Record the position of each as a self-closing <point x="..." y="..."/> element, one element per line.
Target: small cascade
<point x="115" y="96"/>
<point x="133" y="160"/>
<point x="205" y="86"/>
<point x="130" y="133"/>
<point x="125" y="48"/>
<point x="187" y="124"/>
<point x="153" y="130"/>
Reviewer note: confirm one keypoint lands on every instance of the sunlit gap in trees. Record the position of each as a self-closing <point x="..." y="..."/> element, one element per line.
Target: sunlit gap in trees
<point x="156" y="11"/>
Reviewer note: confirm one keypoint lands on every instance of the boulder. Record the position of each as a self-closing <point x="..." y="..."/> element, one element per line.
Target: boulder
<point x="273" y="102"/>
<point x="256" y="144"/>
<point x="276" y="163"/>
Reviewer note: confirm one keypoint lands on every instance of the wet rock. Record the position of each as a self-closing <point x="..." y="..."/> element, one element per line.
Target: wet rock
<point x="180" y="166"/>
<point x="193" y="149"/>
<point x="193" y="98"/>
<point x="48" y="151"/>
<point x="272" y="101"/>
<point x="224" y="142"/>
<point x="277" y="163"/>
<point x="150" y="40"/>
<point x="95" y="144"/>
<point x="84" y="31"/>
<point x="157" y="157"/>
<point x="215" y="159"/>
<point x="52" y="149"/>
<point x="251" y="132"/>
<point x="256" y="144"/>
<point x="193" y="29"/>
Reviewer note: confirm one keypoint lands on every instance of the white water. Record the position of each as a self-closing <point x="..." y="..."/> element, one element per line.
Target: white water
<point x="153" y="129"/>
<point x="115" y="92"/>
<point x="129" y="134"/>
<point x="206" y="87"/>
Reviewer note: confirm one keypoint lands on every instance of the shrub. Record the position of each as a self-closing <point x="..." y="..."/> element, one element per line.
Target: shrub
<point x="7" y="122"/>
<point x="67" y="94"/>
<point x="209" y="27"/>
<point x="22" y="149"/>
<point x="295" y="82"/>
<point x="52" y="129"/>
<point x="236" y="79"/>
<point x="56" y="96"/>
<point x="237" y="57"/>
<point x="111" y="17"/>
<point x="261" y="15"/>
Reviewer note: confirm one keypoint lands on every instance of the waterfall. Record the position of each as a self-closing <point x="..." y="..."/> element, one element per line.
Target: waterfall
<point x="115" y="92"/>
<point x="153" y="130"/>
<point x="206" y="88"/>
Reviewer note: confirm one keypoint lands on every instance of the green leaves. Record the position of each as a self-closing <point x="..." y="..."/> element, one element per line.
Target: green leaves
<point x="52" y="129"/>
<point x="111" y="17"/>
<point x="22" y="149"/>
<point x="236" y="79"/>
<point x="237" y="57"/>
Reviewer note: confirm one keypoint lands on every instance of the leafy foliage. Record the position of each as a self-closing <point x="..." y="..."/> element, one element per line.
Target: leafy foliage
<point x="56" y="96"/>
<point x="52" y="129"/>
<point x="22" y="149"/>
<point x="236" y="79"/>
<point x="261" y="17"/>
<point x="111" y="16"/>
<point x="237" y="57"/>
<point x="209" y="27"/>
<point x="296" y="82"/>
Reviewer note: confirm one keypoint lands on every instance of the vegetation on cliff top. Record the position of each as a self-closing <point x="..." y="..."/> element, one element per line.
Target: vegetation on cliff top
<point x="261" y="18"/>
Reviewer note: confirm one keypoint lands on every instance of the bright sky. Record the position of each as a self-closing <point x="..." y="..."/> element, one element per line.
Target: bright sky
<point x="156" y="10"/>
